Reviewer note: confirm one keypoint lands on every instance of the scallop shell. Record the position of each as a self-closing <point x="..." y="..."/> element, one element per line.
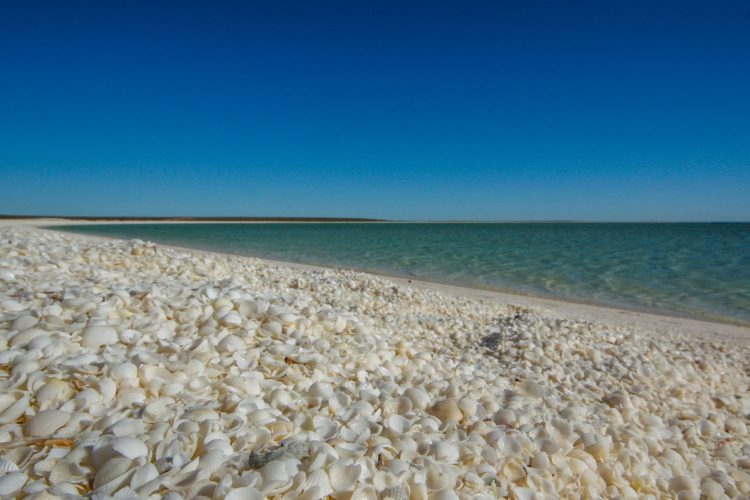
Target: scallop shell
<point x="112" y="469"/>
<point x="318" y="481"/>
<point x="7" y="466"/>
<point x="143" y="475"/>
<point x="394" y="493"/>
<point x="445" y="410"/>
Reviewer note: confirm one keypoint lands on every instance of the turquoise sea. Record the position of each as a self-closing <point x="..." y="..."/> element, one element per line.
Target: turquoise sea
<point x="700" y="270"/>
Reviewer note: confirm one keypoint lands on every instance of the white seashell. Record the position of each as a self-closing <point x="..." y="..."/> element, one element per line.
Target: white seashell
<point x="246" y="493"/>
<point x="444" y="495"/>
<point x="107" y="389"/>
<point x="23" y="322"/>
<point x="13" y="406"/>
<point x="321" y="390"/>
<point x="231" y="320"/>
<point x="445" y="452"/>
<point x="325" y="428"/>
<point x="53" y="392"/>
<point x="211" y="461"/>
<point x="394" y="493"/>
<point x="419" y="398"/>
<point x="124" y="372"/>
<point x="318" y="481"/>
<point x="398" y="425"/>
<point x="343" y="475"/>
<point x="112" y="469"/>
<point x="129" y="336"/>
<point x="365" y="493"/>
<point x="276" y="478"/>
<point x="97" y="336"/>
<point x="11" y="483"/>
<point x="230" y="344"/>
<point x="68" y="471"/>
<point x="46" y="422"/>
<point x="22" y="338"/>
<point x="435" y="478"/>
<point x="7" y="466"/>
<point x="350" y="450"/>
<point x="129" y="447"/>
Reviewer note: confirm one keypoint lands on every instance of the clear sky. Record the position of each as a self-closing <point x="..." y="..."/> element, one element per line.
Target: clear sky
<point x="602" y="110"/>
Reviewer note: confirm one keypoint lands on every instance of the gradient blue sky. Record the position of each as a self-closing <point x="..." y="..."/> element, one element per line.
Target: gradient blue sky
<point x="405" y="110"/>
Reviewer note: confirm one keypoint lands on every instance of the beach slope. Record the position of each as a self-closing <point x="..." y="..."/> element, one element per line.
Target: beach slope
<point x="138" y="369"/>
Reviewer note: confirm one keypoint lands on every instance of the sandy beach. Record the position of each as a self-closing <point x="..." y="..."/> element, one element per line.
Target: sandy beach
<point x="143" y="370"/>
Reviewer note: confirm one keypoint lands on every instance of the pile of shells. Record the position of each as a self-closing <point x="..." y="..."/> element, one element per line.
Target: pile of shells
<point x="132" y="370"/>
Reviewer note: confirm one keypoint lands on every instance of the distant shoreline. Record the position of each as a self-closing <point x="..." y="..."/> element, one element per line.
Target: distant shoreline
<point x="218" y="219"/>
<point x="190" y="219"/>
<point x="572" y="307"/>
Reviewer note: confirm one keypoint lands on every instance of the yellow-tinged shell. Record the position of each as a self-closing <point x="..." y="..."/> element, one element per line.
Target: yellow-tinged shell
<point x="446" y="409"/>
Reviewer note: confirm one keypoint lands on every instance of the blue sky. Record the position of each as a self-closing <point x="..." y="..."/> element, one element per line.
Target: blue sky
<point x="402" y="110"/>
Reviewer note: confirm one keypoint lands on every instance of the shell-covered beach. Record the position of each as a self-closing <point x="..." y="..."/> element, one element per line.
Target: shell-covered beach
<point x="135" y="370"/>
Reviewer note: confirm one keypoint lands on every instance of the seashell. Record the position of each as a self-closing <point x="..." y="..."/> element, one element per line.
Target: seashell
<point x="23" y="322"/>
<point x="127" y="427"/>
<point x="320" y="390"/>
<point x="394" y="493"/>
<point x="129" y="447"/>
<point x="52" y="393"/>
<point x="444" y="495"/>
<point x="343" y="475"/>
<point x="46" y="422"/>
<point x="397" y="425"/>
<point x="317" y="481"/>
<point x="445" y="410"/>
<point x="445" y="452"/>
<point x="112" y="469"/>
<point x="231" y="320"/>
<point x="13" y="405"/>
<point x="24" y="337"/>
<point x="350" y="450"/>
<point x="325" y="428"/>
<point x="7" y="466"/>
<point x="68" y="471"/>
<point x="11" y="483"/>
<point x="230" y="344"/>
<point x="210" y="462"/>
<point x="504" y="417"/>
<point x="366" y="492"/>
<point x="435" y="478"/>
<point x="245" y="493"/>
<point x="276" y="478"/>
<point x="419" y="398"/>
<point x="97" y="336"/>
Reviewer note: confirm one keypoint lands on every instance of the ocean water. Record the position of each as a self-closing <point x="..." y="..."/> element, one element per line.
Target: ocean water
<point x="700" y="270"/>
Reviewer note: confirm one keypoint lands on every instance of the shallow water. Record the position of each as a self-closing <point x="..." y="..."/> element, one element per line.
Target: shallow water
<point x="696" y="269"/>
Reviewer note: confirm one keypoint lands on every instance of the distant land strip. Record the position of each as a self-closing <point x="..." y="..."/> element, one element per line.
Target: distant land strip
<point x="196" y="219"/>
